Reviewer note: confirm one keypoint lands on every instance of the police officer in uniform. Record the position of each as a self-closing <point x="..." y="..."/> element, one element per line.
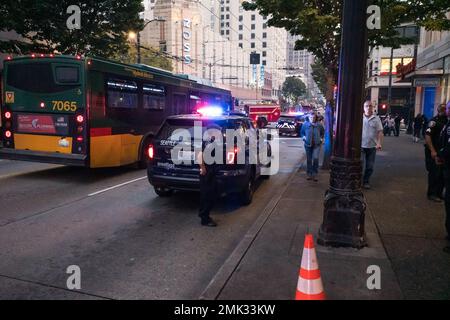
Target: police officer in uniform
<point x="208" y="182"/>
<point x="435" y="170"/>
<point x="444" y="157"/>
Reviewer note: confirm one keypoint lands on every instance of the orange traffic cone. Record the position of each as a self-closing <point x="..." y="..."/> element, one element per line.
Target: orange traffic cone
<point x="309" y="286"/>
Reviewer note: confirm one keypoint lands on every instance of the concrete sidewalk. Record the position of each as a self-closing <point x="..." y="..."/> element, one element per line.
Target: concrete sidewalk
<point x="404" y="231"/>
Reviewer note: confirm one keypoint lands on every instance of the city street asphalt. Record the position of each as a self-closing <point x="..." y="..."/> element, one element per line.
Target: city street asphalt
<point x="128" y="242"/>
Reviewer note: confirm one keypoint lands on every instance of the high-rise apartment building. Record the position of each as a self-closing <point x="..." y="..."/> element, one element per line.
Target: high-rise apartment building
<point x="299" y="64"/>
<point x="213" y="39"/>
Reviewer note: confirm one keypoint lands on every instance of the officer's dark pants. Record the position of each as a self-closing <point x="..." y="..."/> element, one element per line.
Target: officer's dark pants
<point x="208" y="194"/>
<point x="447" y="200"/>
<point x="397" y="130"/>
<point x="435" y="176"/>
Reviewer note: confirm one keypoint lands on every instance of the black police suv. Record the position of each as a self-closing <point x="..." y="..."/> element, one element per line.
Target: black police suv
<point x="290" y="125"/>
<point x="169" y="169"/>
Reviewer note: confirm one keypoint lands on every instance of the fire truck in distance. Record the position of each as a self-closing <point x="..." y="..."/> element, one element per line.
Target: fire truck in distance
<point x="269" y="113"/>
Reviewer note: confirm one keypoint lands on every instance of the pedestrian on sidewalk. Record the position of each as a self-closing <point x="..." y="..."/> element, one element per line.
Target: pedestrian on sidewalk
<point x="391" y="125"/>
<point x="444" y="158"/>
<point x="435" y="171"/>
<point x="418" y="123"/>
<point x="372" y="137"/>
<point x="312" y="133"/>
<point x="397" y="120"/>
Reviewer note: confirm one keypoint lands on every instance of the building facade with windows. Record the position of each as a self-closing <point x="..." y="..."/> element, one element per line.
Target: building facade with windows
<point x="213" y="39"/>
<point x="430" y="72"/>
<point x="377" y="85"/>
<point x="299" y="65"/>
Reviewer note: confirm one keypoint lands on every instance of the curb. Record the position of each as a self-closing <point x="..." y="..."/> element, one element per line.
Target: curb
<point x="220" y="280"/>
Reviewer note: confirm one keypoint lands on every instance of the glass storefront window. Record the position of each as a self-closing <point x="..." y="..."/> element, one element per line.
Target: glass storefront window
<point x="385" y="63"/>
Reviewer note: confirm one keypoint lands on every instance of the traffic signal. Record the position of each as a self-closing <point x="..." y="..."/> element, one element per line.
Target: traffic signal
<point x="255" y="58"/>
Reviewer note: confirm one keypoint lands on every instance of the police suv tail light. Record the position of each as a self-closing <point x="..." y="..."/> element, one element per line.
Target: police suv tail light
<point x="232" y="156"/>
<point x="151" y="152"/>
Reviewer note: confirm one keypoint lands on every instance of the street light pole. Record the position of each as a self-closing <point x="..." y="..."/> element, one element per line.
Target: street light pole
<point x="412" y="94"/>
<point x="344" y="209"/>
<point x="138" y="43"/>
<point x="391" y="62"/>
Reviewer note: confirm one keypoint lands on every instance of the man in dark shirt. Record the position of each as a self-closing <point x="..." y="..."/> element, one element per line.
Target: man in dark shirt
<point x="435" y="169"/>
<point x="443" y="156"/>
<point x="208" y="182"/>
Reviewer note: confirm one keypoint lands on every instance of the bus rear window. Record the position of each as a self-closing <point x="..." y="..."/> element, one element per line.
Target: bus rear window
<point x="67" y="74"/>
<point x="36" y="77"/>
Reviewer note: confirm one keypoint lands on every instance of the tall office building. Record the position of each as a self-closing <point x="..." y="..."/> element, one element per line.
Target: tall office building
<point x="299" y="65"/>
<point x="213" y="39"/>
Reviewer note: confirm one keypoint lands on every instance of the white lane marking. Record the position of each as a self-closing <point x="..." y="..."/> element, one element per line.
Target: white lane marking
<point x="115" y="187"/>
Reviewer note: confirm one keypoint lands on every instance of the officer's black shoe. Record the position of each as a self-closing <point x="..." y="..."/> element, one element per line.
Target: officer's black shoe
<point x="209" y="223"/>
<point x="434" y="198"/>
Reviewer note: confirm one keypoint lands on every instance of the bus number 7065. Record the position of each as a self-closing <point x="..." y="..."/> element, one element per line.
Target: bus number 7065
<point x="64" y="105"/>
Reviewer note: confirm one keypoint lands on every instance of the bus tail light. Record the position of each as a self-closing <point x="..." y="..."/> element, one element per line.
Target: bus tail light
<point x="42" y="105"/>
<point x="8" y="134"/>
<point x="80" y="139"/>
<point x="151" y="152"/>
<point x="8" y="115"/>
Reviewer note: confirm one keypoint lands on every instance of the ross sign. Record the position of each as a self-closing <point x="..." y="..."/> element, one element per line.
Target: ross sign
<point x="187" y="35"/>
<point x="427" y="82"/>
<point x="9" y="97"/>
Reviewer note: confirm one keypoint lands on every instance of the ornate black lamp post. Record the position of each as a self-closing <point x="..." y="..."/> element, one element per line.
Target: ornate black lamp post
<point x="344" y="213"/>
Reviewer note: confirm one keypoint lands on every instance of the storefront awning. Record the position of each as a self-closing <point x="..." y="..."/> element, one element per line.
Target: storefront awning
<point x="421" y="77"/>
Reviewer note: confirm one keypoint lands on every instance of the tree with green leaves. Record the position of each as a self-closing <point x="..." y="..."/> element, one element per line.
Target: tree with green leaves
<point x="42" y="25"/>
<point x="318" y="22"/>
<point x="293" y="88"/>
<point x="319" y="75"/>
<point x="149" y="56"/>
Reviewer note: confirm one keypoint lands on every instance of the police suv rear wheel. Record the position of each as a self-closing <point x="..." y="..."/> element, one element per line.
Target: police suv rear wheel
<point x="163" y="192"/>
<point x="143" y="160"/>
<point x="247" y="193"/>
